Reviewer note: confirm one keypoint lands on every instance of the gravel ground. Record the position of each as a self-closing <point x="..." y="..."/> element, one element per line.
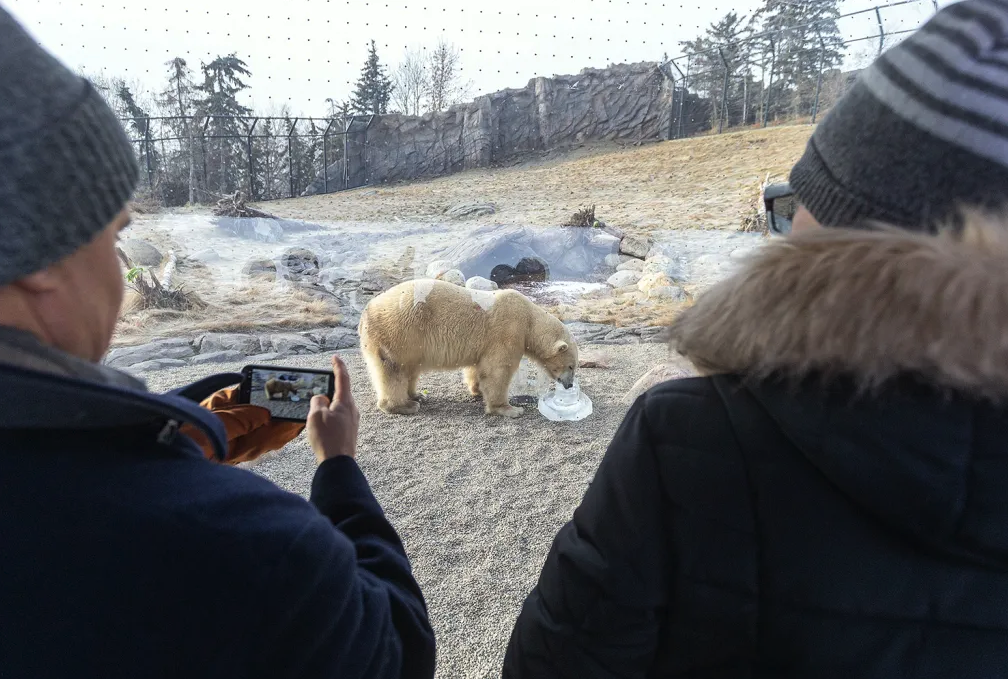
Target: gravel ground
<point x="476" y="500"/>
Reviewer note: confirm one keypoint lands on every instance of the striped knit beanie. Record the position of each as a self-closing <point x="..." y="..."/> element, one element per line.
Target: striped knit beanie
<point x="923" y="131"/>
<point x="66" y="166"/>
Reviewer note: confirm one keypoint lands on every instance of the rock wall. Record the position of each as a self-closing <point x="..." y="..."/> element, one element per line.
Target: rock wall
<point x="625" y="102"/>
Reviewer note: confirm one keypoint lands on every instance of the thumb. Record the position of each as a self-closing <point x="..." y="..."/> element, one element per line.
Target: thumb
<point x="318" y="403"/>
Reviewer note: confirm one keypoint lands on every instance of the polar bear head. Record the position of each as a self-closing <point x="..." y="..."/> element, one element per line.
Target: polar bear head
<point x="561" y="361"/>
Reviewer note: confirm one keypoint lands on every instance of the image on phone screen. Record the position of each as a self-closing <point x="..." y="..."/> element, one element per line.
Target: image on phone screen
<point x="286" y="393"/>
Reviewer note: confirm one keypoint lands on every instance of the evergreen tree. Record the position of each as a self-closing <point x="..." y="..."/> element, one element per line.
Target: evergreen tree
<point x="177" y="101"/>
<point x="222" y="82"/>
<point x="374" y="88"/>
<point x="730" y="38"/>
<point x="804" y="32"/>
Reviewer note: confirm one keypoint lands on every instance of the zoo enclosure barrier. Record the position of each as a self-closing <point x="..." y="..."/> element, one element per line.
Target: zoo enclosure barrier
<point x="689" y="116"/>
<point x="329" y="150"/>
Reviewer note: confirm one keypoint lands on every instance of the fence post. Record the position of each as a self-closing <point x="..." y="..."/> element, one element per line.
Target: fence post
<point x="325" y="155"/>
<point x="724" y="93"/>
<point x="365" y="154"/>
<point x="769" y="92"/>
<point x="147" y="152"/>
<point x="290" y="155"/>
<point x="248" y="141"/>
<point x="682" y="101"/>
<point x="681" y="96"/>
<point x="347" y="123"/>
<point x="206" y="124"/>
<point x="881" y="31"/>
<point x="818" y="85"/>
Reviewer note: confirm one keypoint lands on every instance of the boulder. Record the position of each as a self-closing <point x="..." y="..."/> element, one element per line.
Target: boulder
<point x="636" y="246"/>
<point x="653" y="280"/>
<point x="155" y="364"/>
<point x="622" y="279"/>
<point x="299" y="262"/>
<point x="260" y="268"/>
<point x="226" y="356"/>
<point x="631" y="265"/>
<point x="668" y="293"/>
<point x="123" y="357"/>
<point x="214" y="342"/>
<point x="261" y="229"/>
<point x="453" y="276"/>
<point x="290" y="343"/>
<point x="207" y="255"/>
<point x="480" y="283"/>
<point x="436" y="268"/>
<point x="140" y="252"/>
<point x="612" y="261"/>
<point x="655" y="376"/>
<point x="340" y="338"/>
<point x="267" y="358"/>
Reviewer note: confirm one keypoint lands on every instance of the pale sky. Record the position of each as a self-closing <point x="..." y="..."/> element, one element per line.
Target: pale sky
<point x="302" y="51"/>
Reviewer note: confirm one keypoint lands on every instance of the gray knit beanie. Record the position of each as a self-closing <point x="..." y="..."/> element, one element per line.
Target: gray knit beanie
<point x="923" y="131"/>
<point x="66" y="165"/>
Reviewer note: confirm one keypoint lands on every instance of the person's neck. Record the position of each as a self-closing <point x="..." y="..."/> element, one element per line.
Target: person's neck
<point x="18" y="314"/>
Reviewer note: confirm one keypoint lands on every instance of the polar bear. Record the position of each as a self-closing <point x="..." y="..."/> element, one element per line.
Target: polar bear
<point x="284" y="389"/>
<point x="427" y="325"/>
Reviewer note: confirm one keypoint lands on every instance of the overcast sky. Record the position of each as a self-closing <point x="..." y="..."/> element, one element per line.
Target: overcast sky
<point x="302" y="51"/>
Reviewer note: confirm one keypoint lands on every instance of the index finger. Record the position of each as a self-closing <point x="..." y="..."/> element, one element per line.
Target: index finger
<point x="342" y="393"/>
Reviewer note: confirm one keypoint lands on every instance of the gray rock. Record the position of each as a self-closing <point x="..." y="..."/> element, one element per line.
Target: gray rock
<point x="612" y="261"/>
<point x="339" y="338"/>
<point x="123" y="357"/>
<point x="290" y="343"/>
<point x="672" y="293"/>
<point x="631" y="265"/>
<point x="471" y="210"/>
<point x="636" y="246"/>
<point x="266" y="358"/>
<point x="626" y="103"/>
<point x="480" y="283"/>
<point x="298" y="262"/>
<point x="226" y="356"/>
<point x="655" y="376"/>
<point x="436" y="268"/>
<point x="260" y="268"/>
<point x="206" y="256"/>
<point x="252" y="228"/>
<point x="587" y="332"/>
<point x="622" y="279"/>
<point x="155" y="364"/>
<point x="213" y="342"/>
<point x="613" y="231"/>
<point x="453" y="276"/>
<point x="140" y="252"/>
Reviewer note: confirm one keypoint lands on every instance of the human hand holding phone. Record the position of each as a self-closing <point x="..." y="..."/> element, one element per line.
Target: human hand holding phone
<point x="332" y="425"/>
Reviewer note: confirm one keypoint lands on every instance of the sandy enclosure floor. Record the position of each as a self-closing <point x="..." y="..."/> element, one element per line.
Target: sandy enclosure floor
<point x="476" y="500"/>
<point x="701" y="182"/>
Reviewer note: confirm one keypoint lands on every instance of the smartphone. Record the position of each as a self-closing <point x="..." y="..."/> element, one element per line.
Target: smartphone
<point x="285" y="392"/>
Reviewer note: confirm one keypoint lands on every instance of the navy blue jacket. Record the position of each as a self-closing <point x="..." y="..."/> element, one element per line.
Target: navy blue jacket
<point x="126" y="554"/>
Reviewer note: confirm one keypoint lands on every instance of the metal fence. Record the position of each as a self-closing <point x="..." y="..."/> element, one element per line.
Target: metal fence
<point x="266" y="157"/>
<point x="759" y="102"/>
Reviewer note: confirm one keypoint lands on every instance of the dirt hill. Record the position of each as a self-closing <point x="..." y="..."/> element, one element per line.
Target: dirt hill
<point x="702" y="182"/>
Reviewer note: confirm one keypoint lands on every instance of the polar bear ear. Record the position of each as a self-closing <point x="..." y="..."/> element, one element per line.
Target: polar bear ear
<point x="559" y="347"/>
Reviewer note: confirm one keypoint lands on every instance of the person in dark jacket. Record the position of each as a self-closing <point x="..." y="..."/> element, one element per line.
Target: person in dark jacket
<point x="125" y="552"/>
<point x="829" y="499"/>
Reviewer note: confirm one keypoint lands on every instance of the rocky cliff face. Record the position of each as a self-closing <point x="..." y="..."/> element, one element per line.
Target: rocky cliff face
<point x="626" y="102"/>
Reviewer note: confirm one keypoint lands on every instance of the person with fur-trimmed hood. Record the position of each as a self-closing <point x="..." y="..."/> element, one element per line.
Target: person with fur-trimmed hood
<point x="830" y="497"/>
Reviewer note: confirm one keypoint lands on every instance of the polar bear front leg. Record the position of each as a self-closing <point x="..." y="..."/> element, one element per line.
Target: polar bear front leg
<point x="494" y="383"/>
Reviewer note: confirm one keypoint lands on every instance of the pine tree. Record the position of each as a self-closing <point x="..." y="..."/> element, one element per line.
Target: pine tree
<point x="374" y="88"/>
<point x="221" y="84"/>
<point x="728" y="38"/>
<point x="805" y="32"/>
<point x="177" y="100"/>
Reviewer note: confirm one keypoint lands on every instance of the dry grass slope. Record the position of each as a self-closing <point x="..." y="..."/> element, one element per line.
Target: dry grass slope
<point x="699" y="182"/>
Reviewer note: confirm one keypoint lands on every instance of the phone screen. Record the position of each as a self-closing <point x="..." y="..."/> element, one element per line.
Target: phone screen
<point x="286" y="392"/>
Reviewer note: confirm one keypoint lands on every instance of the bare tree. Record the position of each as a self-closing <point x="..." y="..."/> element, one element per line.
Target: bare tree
<point x="444" y="84"/>
<point x="411" y="83"/>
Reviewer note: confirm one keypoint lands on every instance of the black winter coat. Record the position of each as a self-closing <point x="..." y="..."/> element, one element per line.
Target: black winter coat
<point x="837" y="508"/>
<point x="125" y="553"/>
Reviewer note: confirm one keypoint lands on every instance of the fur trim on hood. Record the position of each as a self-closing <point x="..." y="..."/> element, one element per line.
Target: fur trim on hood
<point x="866" y="305"/>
